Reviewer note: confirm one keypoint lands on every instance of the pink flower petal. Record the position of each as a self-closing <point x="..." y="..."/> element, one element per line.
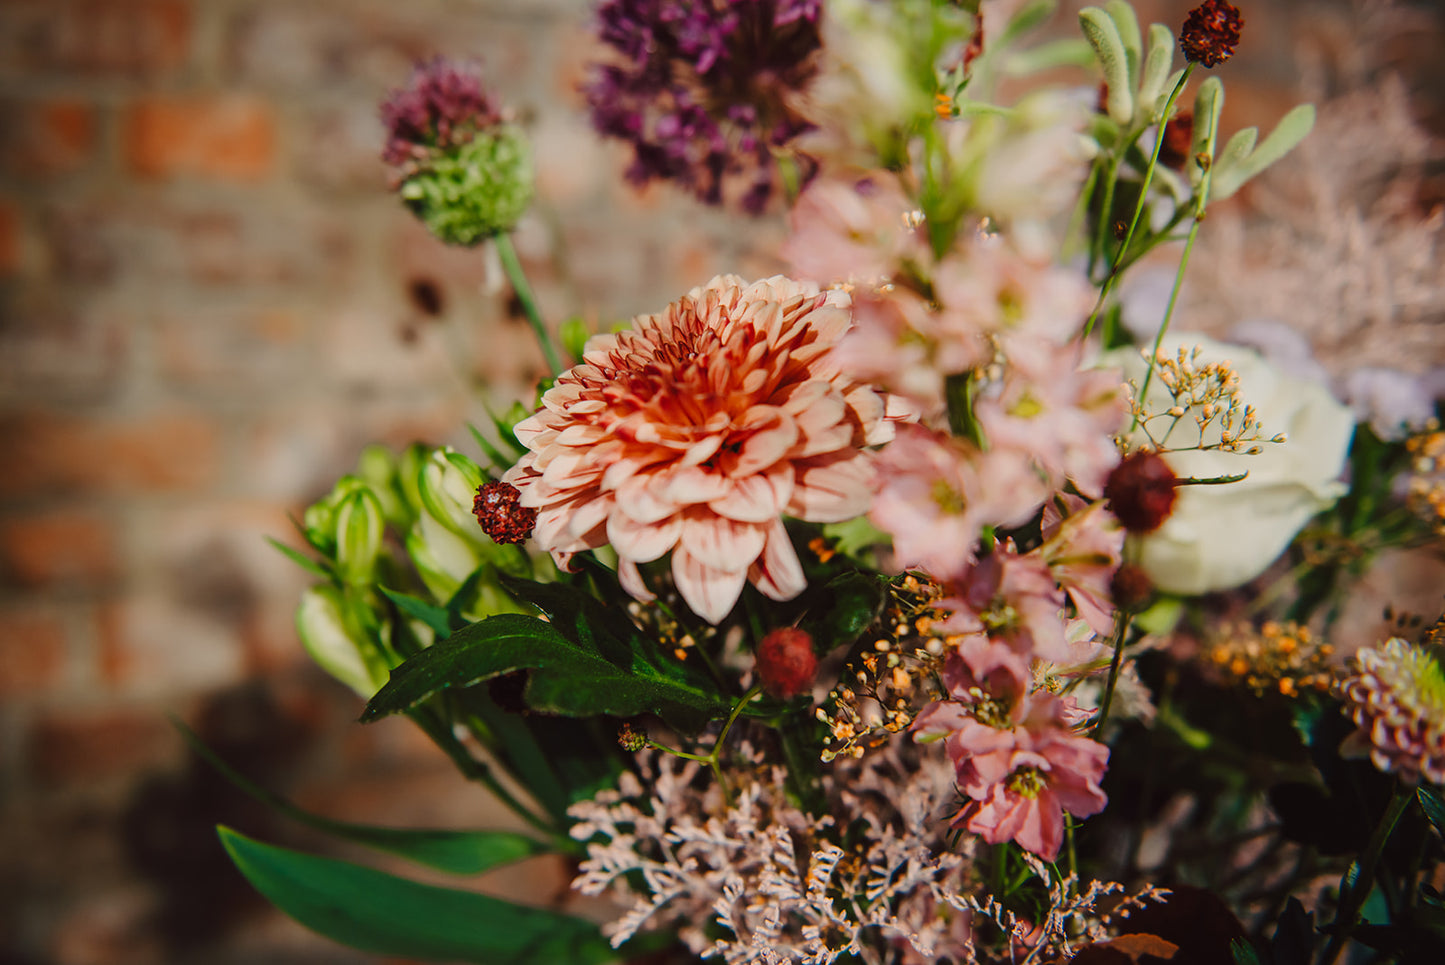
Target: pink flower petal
<point x="708" y="592"/>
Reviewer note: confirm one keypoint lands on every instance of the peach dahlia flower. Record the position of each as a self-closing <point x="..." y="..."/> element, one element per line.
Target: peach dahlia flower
<point x="695" y="431"/>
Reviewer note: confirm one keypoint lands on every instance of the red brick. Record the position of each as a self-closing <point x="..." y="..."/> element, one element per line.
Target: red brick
<point x="136" y="38"/>
<point x="64" y="546"/>
<point x="225" y="137"/>
<point x="152" y="645"/>
<point x="77" y="747"/>
<point x="53" y="349"/>
<point x="52" y="454"/>
<point x="32" y="650"/>
<point x="231" y="351"/>
<point x="46" y="139"/>
<point x="9" y="238"/>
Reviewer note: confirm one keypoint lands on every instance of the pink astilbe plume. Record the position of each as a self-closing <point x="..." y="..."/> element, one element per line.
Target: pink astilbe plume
<point x="694" y="431"/>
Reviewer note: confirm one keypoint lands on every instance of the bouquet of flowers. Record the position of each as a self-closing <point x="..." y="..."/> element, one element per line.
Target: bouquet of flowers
<point x="937" y="601"/>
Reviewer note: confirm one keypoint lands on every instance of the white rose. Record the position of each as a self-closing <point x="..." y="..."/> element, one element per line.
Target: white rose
<point x="1221" y="536"/>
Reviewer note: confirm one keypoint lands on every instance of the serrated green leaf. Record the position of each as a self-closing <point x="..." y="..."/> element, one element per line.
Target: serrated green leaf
<point x="567" y="677"/>
<point x="1103" y="35"/>
<point x="301" y="559"/>
<point x="385" y="915"/>
<point x="455" y="852"/>
<point x="1433" y="802"/>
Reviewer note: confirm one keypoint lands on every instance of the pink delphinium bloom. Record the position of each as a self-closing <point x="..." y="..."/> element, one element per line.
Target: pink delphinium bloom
<point x="1063" y="416"/>
<point x="850" y="229"/>
<point x="937" y="492"/>
<point x="1011" y="598"/>
<point x="987" y="286"/>
<point x="899" y="343"/>
<point x="694" y="431"/>
<point x="1082" y="551"/>
<point x="1017" y="759"/>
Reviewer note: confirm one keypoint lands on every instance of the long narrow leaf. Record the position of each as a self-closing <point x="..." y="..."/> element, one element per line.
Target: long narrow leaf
<point x="456" y="852"/>
<point x="385" y="915"/>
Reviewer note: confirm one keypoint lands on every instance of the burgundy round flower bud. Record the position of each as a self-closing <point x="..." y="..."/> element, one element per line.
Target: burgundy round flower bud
<point x="1211" y="32"/>
<point x="786" y="663"/>
<point x="1131" y="588"/>
<point x="1141" y="491"/>
<point x="503" y="517"/>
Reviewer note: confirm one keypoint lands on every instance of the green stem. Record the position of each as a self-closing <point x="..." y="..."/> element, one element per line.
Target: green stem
<point x="1115" y="269"/>
<point x="1121" y="629"/>
<point x="1348" y="915"/>
<point x="513" y="267"/>
<point x="474" y="770"/>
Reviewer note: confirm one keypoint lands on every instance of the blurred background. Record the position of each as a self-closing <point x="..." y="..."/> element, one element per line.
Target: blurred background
<point x="209" y="303"/>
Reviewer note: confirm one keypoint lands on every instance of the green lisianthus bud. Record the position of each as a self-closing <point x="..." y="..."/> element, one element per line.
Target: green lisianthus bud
<point x="360" y="524"/>
<point x="337" y="645"/>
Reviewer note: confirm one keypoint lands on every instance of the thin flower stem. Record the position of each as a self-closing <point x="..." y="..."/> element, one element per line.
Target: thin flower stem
<point x="1121" y="630"/>
<point x="1116" y="269"/>
<point x="713" y="759"/>
<point x="513" y="267"/>
<point x="474" y="770"/>
<point x="1348" y="915"/>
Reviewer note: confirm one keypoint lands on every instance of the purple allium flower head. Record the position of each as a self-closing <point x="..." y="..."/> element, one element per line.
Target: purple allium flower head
<point x="701" y="89"/>
<point x="443" y="105"/>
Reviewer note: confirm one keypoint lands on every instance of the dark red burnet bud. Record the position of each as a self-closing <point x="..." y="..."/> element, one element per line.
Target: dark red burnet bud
<point x="1141" y="491"/>
<point x="1131" y="588"/>
<point x="1211" y="32"/>
<point x="786" y="663"/>
<point x="499" y="509"/>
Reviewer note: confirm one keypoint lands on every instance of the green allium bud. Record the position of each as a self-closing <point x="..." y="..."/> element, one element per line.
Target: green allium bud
<point x="475" y="191"/>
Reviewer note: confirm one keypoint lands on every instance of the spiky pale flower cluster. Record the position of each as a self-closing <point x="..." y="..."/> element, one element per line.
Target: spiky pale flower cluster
<point x="880" y="693"/>
<point x="774" y="878"/>
<point x="1205" y="394"/>
<point x="1282" y="657"/>
<point x="1397" y="701"/>
<point x="1426" y="496"/>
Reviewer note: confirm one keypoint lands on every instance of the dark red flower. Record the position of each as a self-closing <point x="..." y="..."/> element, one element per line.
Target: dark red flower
<point x="1141" y="491"/>
<point x="1131" y="588"/>
<point x="786" y="662"/>
<point x="1211" y="32"/>
<point x="502" y="517"/>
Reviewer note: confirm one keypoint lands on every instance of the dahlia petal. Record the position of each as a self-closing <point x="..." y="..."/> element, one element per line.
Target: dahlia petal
<point x="630" y="578"/>
<point x="686" y="487"/>
<point x="757" y="499"/>
<point x="767" y="445"/>
<point x="642" y="542"/>
<point x="777" y="573"/>
<point x="708" y="592"/>
<point x="721" y="542"/>
<point x="832" y="490"/>
<point x="642" y="500"/>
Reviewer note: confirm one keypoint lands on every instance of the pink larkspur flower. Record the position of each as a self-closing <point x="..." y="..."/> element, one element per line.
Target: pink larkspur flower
<point x="1017" y="759"/>
<point x="851" y="229"/>
<point x="1063" y="416"/>
<point x="695" y="430"/>
<point x="1014" y="599"/>
<point x="937" y="492"/>
<point x="1083" y="551"/>
<point x="988" y="286"/>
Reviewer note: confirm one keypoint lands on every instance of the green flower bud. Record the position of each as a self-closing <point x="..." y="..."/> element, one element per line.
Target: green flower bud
<point x="471" y="192"/>
<point x="360" y="525"/>
<point x="337" y="644"/>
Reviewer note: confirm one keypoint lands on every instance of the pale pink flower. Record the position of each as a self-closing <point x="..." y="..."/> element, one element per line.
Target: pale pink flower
<point x="851" y="229"/>
<point x="899" y="343"/>
<point x="986" y="285"/>
<point x="937" y="492"/>
<point x="1082" y="551"/>
<point x="1396" y="697"/>
<point x="695" y="430"/>
<point x="1063" y="416"/>
<point x="1017" y="759"/>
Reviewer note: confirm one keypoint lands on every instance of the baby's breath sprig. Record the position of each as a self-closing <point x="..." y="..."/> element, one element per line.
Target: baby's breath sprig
<point x="1205" y="394"/>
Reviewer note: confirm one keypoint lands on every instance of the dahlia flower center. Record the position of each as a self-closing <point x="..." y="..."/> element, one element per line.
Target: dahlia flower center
<point x="1026" y="782"/>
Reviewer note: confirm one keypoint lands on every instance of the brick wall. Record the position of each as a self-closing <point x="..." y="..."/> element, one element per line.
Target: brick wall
<point x="208" y="305"/>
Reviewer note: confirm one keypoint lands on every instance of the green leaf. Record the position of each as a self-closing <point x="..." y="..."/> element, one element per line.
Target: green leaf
<point x="301" y="559"/>
<point x="569" y="677"/>
<point x="854" y="603"/>
<point x="1103" y="35"/>
<point x="456" y="852"/>
<point x="1291" y="129"/>
<point x="1208" y="102"/>
<point x="385" y="915"/>
<point x="499" y="462"/>
<point x="1243" y="952"/>
<point x="1434" y="804"/>
<point x="436" y="617"/>
<point x="1156" y="66"/>
<point x="1128" y="26"/>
